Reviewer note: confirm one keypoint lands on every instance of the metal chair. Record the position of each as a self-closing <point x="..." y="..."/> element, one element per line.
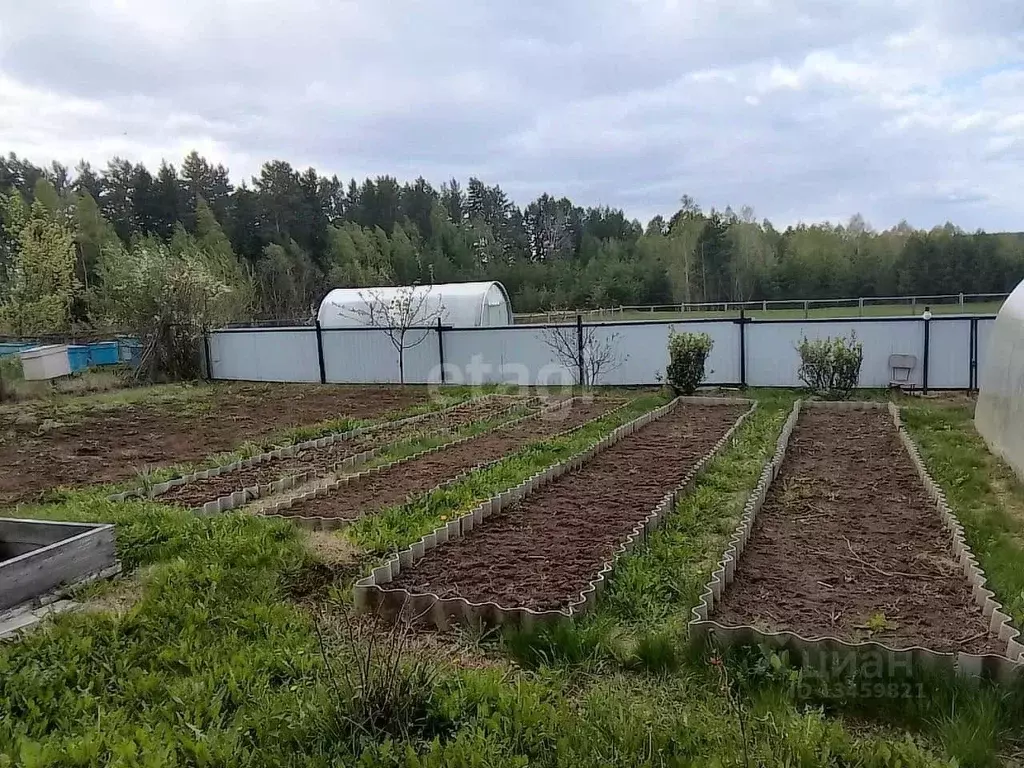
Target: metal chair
<point x="901" y="367"/>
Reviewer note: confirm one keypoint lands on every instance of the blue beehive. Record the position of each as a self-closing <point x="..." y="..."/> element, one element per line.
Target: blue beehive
<point x="14" y="347"/>
<point x="78" y="357"/>
<point x="103" y="353"/>
<point x="84" y="356"/>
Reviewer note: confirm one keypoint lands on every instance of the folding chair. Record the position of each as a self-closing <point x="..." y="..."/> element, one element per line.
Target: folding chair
<point x="901" y="367"/>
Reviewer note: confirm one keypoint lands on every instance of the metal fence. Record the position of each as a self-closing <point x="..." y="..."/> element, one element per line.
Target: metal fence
<point x="857" y="307"/>
<point x="949" y="350"/>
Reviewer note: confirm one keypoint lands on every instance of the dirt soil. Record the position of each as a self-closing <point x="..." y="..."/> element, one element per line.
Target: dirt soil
<point x="848" y="545"/>
<point x="107" y="445"/>
<point x="544" y="551"/>
<point x="322" y="461"/>
<point x="371" y="493"/>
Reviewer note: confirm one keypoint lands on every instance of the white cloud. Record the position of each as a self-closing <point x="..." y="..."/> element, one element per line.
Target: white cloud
<point x="801" y="108"/>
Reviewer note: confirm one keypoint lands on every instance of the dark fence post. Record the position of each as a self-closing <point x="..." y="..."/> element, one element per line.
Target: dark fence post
<point x="206" y="352"/>
<point x="579" y="348"/>
<point x="972" y="381"/>
<point x="927" y="347"/>
<point x="440" y="347"/>
<point x="743" y="348"/>
<point x="320" y="352"/>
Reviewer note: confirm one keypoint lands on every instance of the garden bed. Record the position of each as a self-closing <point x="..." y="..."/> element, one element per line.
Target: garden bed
<point x="41" y="450"/>
<point x="313" y="460"/>
<point x="543" y="554"/>
<point x="394" y="484"/>
<point x="37" y="556"/>
<point x="852" y="547"/>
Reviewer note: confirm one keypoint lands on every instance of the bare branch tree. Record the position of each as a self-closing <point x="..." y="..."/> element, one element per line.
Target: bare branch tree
<point x="403" y="317"/>
<point x="600" y="355"/>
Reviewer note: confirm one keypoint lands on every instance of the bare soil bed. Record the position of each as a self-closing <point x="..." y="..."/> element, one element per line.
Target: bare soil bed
<point x="106" y="445"/>
<point x="848" y="545"/>
<point x="371" y="493"/>
<point x="322" y="460"/>
<point x="545" y="550"/>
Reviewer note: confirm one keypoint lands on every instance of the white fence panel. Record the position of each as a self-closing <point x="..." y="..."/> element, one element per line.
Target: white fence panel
<point x="523" y="355"/>
<point x="275" y="354"/>
<point x="949" y="358"/>
<point x="368" y="356"/>
<point x="641" y="351"/>
<point x="773" y="361"/>
<point x="984" y="337"/>
<point x="512" y="354"/>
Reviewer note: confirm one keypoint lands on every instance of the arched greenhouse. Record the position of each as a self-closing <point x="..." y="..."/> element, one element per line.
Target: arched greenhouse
<point x="999" y="415"/>
<point x="462" y="305"/>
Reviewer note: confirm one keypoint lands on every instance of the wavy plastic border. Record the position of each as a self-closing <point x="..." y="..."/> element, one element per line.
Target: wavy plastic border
<point x="371" y="596"/>
<point x="830" y="647"/>
<point x="246" y="495"/>
<point x="334" y="523"/>
<point x="231" y="501"/>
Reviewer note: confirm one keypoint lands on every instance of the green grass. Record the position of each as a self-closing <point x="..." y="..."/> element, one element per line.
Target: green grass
<point x="821" y="313"/>
<point x="215" y="665"/>
<point x="68" y="399"/>
<point x="15" y="388"/>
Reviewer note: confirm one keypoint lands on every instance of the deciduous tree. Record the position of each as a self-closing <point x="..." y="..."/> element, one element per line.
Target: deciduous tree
<point x="41" y="273"/>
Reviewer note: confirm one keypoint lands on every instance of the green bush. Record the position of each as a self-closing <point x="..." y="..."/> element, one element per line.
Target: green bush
<point x="10" y="371"/>
<point x="687" y="353"/>
<point x="829" y="367"/>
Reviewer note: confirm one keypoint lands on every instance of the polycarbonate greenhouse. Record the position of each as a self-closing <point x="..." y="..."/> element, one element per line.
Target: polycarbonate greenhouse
<point x="999" y="416"/>
<point x="462" y="305"/>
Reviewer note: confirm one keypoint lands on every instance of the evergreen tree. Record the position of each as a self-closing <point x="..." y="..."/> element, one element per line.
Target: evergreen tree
<point x="116" y="198"/>
<point x="170" y="200"/>
<point x="87" y="181"/>
<point x="200" y="178"/>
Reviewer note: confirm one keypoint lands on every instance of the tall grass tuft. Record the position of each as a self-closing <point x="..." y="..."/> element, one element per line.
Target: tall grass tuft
<point x="659" y="652"/>
<point x="564" y="643"/>
<point x="379" y="689"/>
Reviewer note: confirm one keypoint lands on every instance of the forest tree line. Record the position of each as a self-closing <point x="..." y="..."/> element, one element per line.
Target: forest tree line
<point x="113" y="247"/>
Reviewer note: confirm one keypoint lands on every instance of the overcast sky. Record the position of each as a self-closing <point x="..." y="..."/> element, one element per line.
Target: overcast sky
<point x="802" y="109"/>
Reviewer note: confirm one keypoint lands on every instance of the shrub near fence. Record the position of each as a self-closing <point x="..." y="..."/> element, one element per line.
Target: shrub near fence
<point x="745" y="352"/>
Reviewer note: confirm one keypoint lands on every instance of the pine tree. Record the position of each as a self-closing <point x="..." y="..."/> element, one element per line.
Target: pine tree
<point x="169" y="200"/>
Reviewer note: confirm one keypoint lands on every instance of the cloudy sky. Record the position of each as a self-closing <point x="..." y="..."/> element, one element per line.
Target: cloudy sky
<point x="803" y="109"/>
